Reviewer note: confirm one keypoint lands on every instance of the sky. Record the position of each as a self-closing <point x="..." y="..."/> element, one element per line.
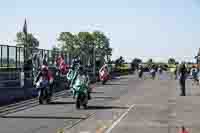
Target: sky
<point x="156" y="29"/>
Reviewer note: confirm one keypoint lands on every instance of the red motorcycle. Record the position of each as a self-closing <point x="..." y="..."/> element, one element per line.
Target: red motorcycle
<point x="104" y="76"/>
<point x="63" y="69"/>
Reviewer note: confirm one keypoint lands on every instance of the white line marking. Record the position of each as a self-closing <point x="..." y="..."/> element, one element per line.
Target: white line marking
<point x="118" y="121"/>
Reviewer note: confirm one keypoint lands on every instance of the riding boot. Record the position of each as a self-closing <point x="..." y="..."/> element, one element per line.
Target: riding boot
<point x="89" y="96"/>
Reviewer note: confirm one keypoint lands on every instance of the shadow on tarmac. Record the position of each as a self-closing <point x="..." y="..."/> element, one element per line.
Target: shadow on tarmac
<point x="105" y="107"/>
<point x="112" y="84"/>
<point x="60" y="103"/>
<point x="103" y="97"/>
<point x="97" y="92"/>
<point x="40" y="117"/>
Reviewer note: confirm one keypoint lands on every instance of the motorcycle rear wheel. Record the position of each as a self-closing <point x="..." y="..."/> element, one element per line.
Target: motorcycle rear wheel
<point x="85" y="106"/>
<point x="78" y="105"/>
<point x="104" y="82"/>
<point x="48" y="100"/>
<point x="40" y="97"/>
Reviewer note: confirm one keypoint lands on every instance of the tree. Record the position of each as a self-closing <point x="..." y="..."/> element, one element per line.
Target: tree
<point x="87" y="45"/>
<point x="120" y="61"/>
<point x="150" y="61"/>
<point x="69" y="43"/>
<point x="137" y="60"/>
<point x="86" y="41"/>
<point x="29" y="42"/>
<point x="54" y="53"/>
<point x="135" y="63"/>
<point x="102" y="44"/>
<point x="171" y="61"/>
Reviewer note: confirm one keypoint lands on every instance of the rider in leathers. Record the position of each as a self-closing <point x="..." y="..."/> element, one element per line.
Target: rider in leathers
<point x="72" y="76"/>
<point x="46" y="75"/>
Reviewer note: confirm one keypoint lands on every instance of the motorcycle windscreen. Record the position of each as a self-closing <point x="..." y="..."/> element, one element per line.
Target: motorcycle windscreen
<point x="43" y="83"/>
<point x="80" y="84"/>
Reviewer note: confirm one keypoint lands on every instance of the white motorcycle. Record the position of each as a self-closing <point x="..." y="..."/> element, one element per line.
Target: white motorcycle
<point x="43" y="91"/>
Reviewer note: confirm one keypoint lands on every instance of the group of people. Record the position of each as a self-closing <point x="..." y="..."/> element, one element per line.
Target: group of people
<point x="180" y="73"/>
<point x="74" y="74"/>
<point x="152" y="70"/>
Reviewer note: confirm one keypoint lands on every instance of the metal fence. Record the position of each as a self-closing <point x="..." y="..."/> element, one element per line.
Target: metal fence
<point x="14" y="57"/>
<point x="13" y="61"/>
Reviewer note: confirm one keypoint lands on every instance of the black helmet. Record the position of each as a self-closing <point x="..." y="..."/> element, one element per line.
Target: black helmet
<point x="72" y="66"/>
<point x="81" y="69"/>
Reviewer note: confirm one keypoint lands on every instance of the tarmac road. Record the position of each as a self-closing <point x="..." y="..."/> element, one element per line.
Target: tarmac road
<point x="126" y="105"/>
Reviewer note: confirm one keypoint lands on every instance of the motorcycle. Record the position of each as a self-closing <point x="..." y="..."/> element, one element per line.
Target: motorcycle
<point x="104" y="77"/>
<point x="43" y="91"/>
<point x="81" y="92"/>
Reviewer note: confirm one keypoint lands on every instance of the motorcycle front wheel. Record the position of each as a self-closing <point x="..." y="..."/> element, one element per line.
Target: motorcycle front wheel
<point x="44" y="97"/>
<point x="81" y="101"/>
<point x="41" y="97"/>
<point x="78" y="104"/>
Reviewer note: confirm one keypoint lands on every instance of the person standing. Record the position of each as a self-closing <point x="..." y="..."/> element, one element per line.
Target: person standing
<point x="183" y="130"/>
<point x="140" y="71"/>
<point x="183" y="76"/>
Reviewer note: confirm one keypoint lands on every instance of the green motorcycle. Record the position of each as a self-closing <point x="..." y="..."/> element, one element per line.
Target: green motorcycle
<point x="81" y="92"/>
<point x="79" y="88"/>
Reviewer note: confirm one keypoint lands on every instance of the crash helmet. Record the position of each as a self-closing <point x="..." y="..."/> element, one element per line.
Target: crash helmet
<point x="44" y="68"/>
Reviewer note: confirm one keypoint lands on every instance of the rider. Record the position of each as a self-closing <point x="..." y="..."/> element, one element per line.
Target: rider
<point x="82" y="73"/>
<point x="45" y="74"/>
<point x="76" y="60"/>
<point x="104" y="68"/>
<point x="61" y="64"/>
<point x="74" y="74"/>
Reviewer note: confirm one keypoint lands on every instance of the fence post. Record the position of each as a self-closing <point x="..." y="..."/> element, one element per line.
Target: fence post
<point x="8" y="56"/>
<point x="16" y="57"/>
<point x="94" y="63"/>
<point x="22" y="79"/>
<point x="1" y="56"/>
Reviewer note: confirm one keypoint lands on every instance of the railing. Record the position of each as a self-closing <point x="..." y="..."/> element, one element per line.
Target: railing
<point x="13" y="59"/>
